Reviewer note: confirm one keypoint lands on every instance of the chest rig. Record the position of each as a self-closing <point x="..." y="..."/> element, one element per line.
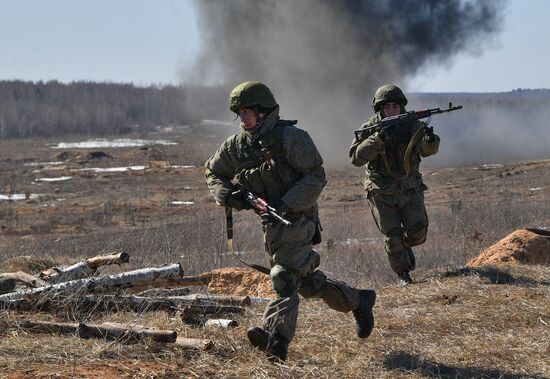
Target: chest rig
<point x="263" y="168"/>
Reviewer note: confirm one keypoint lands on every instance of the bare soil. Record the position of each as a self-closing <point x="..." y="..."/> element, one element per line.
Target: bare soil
<point x="456" y="322"/>
<point x="520" y="247"/>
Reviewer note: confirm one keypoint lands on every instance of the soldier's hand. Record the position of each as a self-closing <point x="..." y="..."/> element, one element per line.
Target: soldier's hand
<point x="266" y="218"/>
<point x="237" y="200"/>
<point x="384" y="135"/>
<point x="429" y="137"/>
<point x="280" y="206"/>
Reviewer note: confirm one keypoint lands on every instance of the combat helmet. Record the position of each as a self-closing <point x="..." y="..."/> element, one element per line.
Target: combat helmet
<point x="388" y="93"/>
<point x="252" y="95"/>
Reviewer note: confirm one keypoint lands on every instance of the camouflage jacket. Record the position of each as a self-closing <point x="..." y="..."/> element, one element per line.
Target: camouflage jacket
<point x="384" y="165"/>
<point x="277" y="161"/>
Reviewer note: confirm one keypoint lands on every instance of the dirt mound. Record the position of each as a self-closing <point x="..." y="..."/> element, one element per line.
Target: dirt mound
<point x="239" y="281"/>
<point x="520" y="247"/>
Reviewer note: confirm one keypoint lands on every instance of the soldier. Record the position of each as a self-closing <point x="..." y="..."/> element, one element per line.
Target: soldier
<point x="274" y="159"/>
<point x="393" y="183"/>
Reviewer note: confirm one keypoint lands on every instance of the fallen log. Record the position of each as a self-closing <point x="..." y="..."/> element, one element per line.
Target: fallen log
<point x="212" y="309"/>
<point x="118" y="303"/>
<point x="217" y="298"/>
<point x="184" y="281"/>
<point x="100" y="303"/>
<point x="197" y="314"/>
<point x="106" y="330"/>
<point x="25" y="305"/>
<point x="105" y="260"/>
<point x="155" y="275"/>
<point x="194" y="343"/>
<point x="221" y="323"/>
<point x="9" y="280"/>
<point x="114" y="330"/>
<point x="200" y="303"/>
<point x="203" y="304"/>
<point x="163" y="292"/>
<point x="82" y="269"/>
<point x="49" y="327"/>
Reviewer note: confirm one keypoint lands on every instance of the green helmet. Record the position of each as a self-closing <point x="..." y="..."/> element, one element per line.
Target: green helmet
<point x="251" y="94"/>
<point x="388" y="93"/>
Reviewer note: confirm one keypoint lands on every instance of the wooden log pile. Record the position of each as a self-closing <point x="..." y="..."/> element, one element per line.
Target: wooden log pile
<point x="77" y="288"/>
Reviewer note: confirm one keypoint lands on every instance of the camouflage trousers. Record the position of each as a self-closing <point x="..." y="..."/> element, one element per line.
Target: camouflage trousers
<point x="294" y="271"/>
<point x="403" y="221"/>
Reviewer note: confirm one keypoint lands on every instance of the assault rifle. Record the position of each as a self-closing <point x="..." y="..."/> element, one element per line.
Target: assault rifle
<point x="261" y="205"/>
<point x="394" y="122"/>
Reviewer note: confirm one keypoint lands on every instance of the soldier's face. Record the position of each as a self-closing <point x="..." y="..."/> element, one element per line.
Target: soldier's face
<point x="248" y="118"/>
<point x="391" y="109"/>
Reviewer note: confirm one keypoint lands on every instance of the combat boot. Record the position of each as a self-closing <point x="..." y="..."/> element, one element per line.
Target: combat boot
<point x="363" y="313"/>
<point x="278" y="349"/>
<point x="258" y="337"/>
<point x="405" y="278"/>
<point x="274" y="345"/>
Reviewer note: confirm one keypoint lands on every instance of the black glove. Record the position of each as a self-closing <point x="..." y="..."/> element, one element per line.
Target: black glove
<point x="237" y="200"/>
<point x="429" y="136"/>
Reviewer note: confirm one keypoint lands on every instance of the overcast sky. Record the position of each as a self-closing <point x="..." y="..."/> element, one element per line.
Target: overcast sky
<point x="151" y="41"/>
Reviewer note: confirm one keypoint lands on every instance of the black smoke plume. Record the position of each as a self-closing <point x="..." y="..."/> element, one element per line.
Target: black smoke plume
<point x="323" y="59"/>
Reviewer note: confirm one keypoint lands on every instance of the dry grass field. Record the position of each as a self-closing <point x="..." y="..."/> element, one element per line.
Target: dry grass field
<point x="454" y="323"/>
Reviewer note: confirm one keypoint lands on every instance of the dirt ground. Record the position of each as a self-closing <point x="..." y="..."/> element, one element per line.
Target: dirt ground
<point x="457" y="322"/>
<point x="163" y="211"/>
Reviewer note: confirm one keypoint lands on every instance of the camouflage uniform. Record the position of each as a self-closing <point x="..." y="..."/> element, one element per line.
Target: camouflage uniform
<point x="294" y="174"/>
<point x="395" y="195"/>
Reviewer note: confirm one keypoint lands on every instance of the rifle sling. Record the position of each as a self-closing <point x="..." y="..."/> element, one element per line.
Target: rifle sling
<point x="406" y="156"/>
<point x="229" y="231"/>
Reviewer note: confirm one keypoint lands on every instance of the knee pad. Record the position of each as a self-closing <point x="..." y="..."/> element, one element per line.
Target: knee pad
<point x="284" y="281"/>
<point x="415" y="239"/>
<point x="313" y="285"/>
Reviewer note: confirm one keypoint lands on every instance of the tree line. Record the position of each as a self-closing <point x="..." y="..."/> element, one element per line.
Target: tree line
<point x="31" y="109"/>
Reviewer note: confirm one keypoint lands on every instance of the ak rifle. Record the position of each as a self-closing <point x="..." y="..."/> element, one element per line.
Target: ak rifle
<point x="395" y="121"/>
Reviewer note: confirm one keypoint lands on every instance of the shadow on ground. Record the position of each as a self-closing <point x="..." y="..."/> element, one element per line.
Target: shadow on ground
<point x="495" y="275"/>
<point x="409" y="363"/>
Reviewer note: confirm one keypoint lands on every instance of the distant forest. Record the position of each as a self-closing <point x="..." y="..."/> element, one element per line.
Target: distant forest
<point x="30" y="109"/>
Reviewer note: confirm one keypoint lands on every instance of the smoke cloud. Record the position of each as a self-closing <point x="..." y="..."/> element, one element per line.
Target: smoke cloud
<point x="323" y="59"/>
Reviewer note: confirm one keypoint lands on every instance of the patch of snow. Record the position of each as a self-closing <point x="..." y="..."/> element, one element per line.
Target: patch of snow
<point x="17" y="196"/>
<point x="59" y="179"/>
<point x="216" y="122"/>
<point x="184" y="166"/>
<point x="536" y="189"/>
<point x="489" y="166"/>
<point x="111" y="169"/>
<point x="42" y="163"/>
<point x="178" y="202"/>
<point x="102" y="143"/>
